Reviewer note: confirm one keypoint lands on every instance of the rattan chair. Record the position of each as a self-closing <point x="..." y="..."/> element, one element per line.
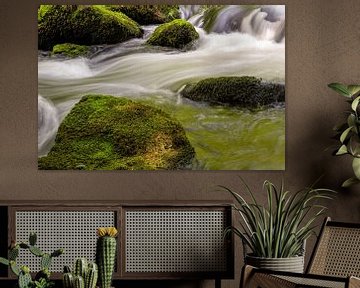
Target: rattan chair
<point x="334" y="263"/>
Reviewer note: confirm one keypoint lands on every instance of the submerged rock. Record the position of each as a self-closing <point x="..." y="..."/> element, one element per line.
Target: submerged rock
<point x="83" y="25"/>
<point x="71" y="50"/>
<point x="175" y="34"/>
<point x="235" y="91"/>
<point x="148" y="14"/>
<point x="108" y="133"/>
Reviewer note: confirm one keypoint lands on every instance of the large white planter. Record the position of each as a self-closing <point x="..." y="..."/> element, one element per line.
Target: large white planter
<point x="291" y="264"/>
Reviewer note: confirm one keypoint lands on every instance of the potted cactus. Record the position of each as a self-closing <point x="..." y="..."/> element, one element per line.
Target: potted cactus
<point x="106" y="254"/>
<point x="84" y="275"/>
<point x="42" y="278"/>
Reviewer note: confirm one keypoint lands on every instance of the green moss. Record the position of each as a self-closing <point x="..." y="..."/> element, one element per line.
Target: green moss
<point x="70" y="50"/>
<point x="236" y="91"/>
<point x="148" y="14"/>
<point x="108" y="133"/>
<point x="43" y="9"/>
<point x="84" y="25"/>
<point x="211" y="12"/>
<point x="55" y="26"/>
<point x="171" y="12"/>
<point x="176" y="34"/>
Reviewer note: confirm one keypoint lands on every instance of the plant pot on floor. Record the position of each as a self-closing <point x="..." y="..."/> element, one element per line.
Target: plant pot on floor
<point x="290" y="264"/>
<point x="276" y="232"/>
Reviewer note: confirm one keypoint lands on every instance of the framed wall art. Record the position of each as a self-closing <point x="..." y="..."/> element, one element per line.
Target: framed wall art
<point x="161" y="87"/>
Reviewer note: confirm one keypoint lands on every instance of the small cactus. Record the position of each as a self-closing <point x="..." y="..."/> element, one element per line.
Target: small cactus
<point x="67" y="269"/>
<point x="80" y="268"/>
<point x="13" y="253"/>
<point x="91" y="276"/>
<point x="14" y="268"/>
<point x="24" y="280"/>
<point x="24" y="246"/>
<point x="25" y="269"/>
<point x="79" y="282"/>
<point x="44" y="273"/>
<point x="4" y="261"/>
<point x="23" y="273"/>
<point x="45" y="261"/>
<point x="32" y="238"/>
<point x="68" y="280"/>
<point x="106" y="254"/>
<point x="57" y="252"/>
<point x="36" y="251"/>
<point x="83" y="274"/>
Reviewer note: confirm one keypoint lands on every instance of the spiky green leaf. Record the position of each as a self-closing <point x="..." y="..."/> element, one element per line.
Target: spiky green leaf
<point x="279" y="228"/>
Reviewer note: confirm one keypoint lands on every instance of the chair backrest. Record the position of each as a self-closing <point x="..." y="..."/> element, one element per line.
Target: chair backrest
<point x="337" y="251"/>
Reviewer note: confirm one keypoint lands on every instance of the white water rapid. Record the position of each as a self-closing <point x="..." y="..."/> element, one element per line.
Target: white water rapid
<point x="255" y="47"/>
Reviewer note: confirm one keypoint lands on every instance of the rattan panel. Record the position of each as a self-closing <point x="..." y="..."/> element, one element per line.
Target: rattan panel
<point x="313" y="282"/>
<point x="75" y="231"/>
<point x="175" y="241"/>
<point x="338" y="253"/>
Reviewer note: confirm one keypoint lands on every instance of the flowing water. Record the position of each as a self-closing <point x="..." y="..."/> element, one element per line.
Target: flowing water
<point x="223" y="137"/>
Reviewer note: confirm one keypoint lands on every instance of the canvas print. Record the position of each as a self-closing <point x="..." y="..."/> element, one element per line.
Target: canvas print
<point x="161" y="87"/>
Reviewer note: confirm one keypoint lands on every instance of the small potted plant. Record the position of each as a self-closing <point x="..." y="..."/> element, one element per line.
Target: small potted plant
<point x="276" y="233"/>
<point x="42" y="278"/>
<point x="106" y="254"/>
<point x="84" y="274"/>
<point x="349" y="131"/>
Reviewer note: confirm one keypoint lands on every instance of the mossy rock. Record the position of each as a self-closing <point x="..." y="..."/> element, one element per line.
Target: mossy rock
<point x="235" y="91"/>
<point x="148" y="14"/>
<point x="43" y="9"/>
<point x="71" y="50"/>
<point x="107" y="133"/>
<point x="83" y="25"/>
<point x="176" y="34"/>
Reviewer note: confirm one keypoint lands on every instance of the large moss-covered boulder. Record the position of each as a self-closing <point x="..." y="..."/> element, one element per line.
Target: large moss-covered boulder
<point x="176" y="34"/>
<point x="108" y="133"/>
<point x="235" y="91"/>
<point x="148" y="14"/>
<point x="83" y="25"/>
<point x="70" y="50"/>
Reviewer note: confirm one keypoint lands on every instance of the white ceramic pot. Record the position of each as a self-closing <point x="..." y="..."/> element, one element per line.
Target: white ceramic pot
<point x="291" y="264"/>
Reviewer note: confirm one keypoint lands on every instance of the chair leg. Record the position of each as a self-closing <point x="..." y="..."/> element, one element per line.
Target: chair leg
<point x="217" y="282"/>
